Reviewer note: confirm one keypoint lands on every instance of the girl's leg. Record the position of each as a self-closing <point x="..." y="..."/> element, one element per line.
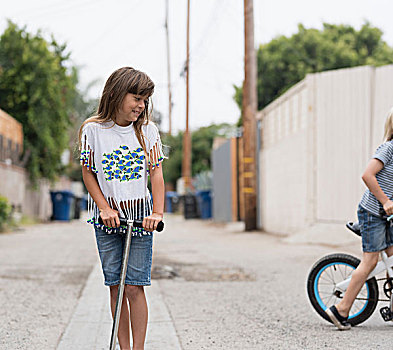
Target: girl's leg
<point x="359" y="277"/>
<point x="389" y="250"/>
<point x="124" y="322"/>
<point x="139" y="314"/>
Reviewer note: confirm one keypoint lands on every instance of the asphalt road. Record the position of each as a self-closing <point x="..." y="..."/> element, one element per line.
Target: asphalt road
<point x="238" y="290"/>
<point x="43" y="270"/>
<point x="224" y="288"/>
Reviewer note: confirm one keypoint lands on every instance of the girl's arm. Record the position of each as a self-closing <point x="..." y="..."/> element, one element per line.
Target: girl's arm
<point x="109" y="216"/>
<point x="369" y="178"/>
<point x="158" y="191"/>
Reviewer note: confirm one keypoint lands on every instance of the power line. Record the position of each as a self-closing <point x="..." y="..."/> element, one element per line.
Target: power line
<point x="110" y="30"/>
<point x="169" y="67"/>
<point x="212" y="18"/>
<point x="194" y="52"/>
<point x="56" y="10"/>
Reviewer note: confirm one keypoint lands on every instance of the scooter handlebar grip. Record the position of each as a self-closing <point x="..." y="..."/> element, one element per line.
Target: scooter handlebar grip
<point x="137" y="223"/>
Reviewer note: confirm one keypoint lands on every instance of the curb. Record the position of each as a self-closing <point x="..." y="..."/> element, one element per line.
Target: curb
<point x="91" y="324"/>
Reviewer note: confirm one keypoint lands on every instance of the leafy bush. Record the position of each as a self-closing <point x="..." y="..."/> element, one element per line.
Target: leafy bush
<point x="5" y="212"/>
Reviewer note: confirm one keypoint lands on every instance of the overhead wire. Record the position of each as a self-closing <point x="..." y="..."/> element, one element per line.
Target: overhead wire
<point x="57" y="10"/>
<point x="196" y="48"/>
<point x="212" y="18"/>
<point x="110" y="30"/>
<point x="30" y="11"/>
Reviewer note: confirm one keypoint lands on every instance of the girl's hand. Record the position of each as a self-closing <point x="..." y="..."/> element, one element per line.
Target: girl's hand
<point x="388" y="207"/>
<point x="110" y="217"/>
<point x="150" y="222"/>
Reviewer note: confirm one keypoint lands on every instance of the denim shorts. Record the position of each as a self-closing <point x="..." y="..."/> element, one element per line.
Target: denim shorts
<point x="110" y="248"/>
<point x="377" y="235"/>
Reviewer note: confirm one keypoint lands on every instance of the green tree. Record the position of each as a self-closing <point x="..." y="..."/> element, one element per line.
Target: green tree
<point x="173" y="165"/>
<point x="285" y="61"/>
<point x="202" y="143"/>
<point x="83" y="108"/>
<point x="38" y="90"/>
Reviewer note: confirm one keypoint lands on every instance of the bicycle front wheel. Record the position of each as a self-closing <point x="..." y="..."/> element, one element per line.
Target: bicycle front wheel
<point x="321" y="287"/>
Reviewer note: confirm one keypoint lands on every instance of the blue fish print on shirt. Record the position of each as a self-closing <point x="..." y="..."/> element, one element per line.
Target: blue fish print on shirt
<point x="123" y="164"/>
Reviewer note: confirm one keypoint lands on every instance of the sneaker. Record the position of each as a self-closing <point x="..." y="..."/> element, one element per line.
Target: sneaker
<point x="339" y="321"/>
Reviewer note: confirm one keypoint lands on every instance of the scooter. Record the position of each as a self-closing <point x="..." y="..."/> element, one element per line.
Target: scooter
<point x="130" y="224"/>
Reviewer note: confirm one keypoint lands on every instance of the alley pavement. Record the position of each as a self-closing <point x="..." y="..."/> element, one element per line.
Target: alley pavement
<point x="214" y="287"/>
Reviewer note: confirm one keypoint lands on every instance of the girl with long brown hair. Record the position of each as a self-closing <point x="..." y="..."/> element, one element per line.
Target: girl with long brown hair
<point x="120" y="147"/>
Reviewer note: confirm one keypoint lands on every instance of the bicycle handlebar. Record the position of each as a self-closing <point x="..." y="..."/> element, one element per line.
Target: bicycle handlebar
<point x="383" y="215"/>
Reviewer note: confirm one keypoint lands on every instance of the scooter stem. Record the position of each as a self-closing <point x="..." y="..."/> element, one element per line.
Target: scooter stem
<point x="119" y="301"/>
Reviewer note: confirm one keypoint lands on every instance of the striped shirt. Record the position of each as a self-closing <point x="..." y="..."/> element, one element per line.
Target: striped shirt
<point x="385" y="180"/>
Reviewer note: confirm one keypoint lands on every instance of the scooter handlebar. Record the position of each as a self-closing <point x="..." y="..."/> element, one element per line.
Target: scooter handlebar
<point x="136" y="223"/>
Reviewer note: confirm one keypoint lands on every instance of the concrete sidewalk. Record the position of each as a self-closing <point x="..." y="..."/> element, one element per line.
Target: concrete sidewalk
<point x="91" y="324"/>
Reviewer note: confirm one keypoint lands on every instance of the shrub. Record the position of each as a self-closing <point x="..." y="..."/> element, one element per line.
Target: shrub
<point x="5" y="212"/>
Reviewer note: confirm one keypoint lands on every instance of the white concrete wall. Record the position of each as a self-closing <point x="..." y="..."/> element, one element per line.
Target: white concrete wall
<point x="15" y="186"/>
<point x="342" y="112"/>
<point x="283" y="163"/>
<point x="383" y="102"/>
<point x="37" y="202"/>
<point x="316" y="141"/>
<point x="12" y="183"/>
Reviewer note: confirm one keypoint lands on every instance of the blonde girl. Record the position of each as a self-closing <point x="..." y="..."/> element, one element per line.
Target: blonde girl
<point x="376" y="234"/>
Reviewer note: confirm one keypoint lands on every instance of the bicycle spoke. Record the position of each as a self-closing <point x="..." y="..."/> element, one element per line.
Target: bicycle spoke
<point x="333" y="271"/>
<point x="342" y="275"/>
<point x="356" y="308"/>
<point x="329" y="300"/>
<point x="324" y="280"/>
<point x="325" y="295"/>
<point x="331" y="274"/>
<point x="326" y="277"/>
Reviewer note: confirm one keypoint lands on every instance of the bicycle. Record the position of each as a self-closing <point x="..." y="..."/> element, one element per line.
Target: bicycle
<point x="330" y="276"/>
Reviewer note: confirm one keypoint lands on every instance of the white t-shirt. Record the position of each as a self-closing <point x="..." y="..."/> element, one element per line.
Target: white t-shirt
<point x="115" y="155"/>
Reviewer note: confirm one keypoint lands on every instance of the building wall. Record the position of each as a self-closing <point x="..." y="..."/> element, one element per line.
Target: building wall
<point x="15" y="186"/>
<point x="11" y="139"/>
<point x="10" y="128"/>
<point x="316" y="141"/>
<point x="37" y="201"/>
<point x="342" y="110"/>
<point x="14" y="183"/>
<point x="222" y="182"/>
<point x="283" y="163"/>
<point x="382" y="102"/>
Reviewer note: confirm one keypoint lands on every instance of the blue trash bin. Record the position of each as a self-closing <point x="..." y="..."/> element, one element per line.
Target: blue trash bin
<point x="84" y="202"/>
<point x="171" y="200"/>
<point x="205" y="204"/>
<point x="62" y="202"/>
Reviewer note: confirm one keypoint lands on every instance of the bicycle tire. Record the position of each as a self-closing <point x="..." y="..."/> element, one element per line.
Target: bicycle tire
<point x="335" y="261"/>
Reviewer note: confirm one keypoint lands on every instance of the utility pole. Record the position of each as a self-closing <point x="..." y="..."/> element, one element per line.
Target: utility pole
<point x="169" y="69"/>
<point x="186" y="166"/>
<point x="249" y="122"/>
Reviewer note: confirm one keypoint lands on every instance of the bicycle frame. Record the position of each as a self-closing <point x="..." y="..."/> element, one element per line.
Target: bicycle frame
<point x="386" y="264"/>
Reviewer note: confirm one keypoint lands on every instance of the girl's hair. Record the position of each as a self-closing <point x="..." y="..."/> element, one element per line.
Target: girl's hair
<point x="122" y="81"/>
<point x="388" y="136"/>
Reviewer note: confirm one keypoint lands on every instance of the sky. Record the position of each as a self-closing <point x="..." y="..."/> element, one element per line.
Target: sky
<point x="104" y="35"/>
